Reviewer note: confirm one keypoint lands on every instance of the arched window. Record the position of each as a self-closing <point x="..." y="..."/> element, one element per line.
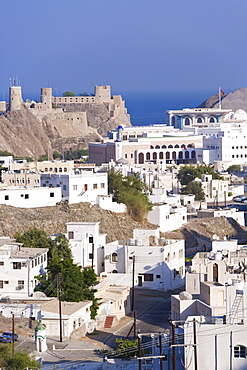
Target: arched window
<point x="157" y="147"/>
<point x="161" y="155"/>
<point x="60" y="169"/>
<point x="151" y="147"/>
<point x="176" y="146"/>
<point x="167" y="155"/>
<point x="141" y="158"/>
<point x="46" y="169"/>
<point x="115" y="271"/>
<point x="65" y="169"/>
<point x="154" y="155"/>
<point x="180" y="155"/>
<point x="174" y="155"/>
<point x="55" y="169"/>
<point x="187" y="121"/>
<point x="183" y="146"/>
<point x="163" y="147"/>
<point x="189" y="145"/>
<point x="170" y="146"/>
<point x="148" y="156"/>
<point x="50" y="169"/>
<point x="114" y="257"/>
<point x="212" y="120"/>
<point x="187" y="154"/>
<point x="199" y="120"/>
<point x="193" y="154"/>
<point x="173" y="120"/>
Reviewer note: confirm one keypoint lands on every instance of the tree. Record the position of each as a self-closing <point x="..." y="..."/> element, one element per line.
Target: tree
<point x="130" y="191"/>
<point x="34" y="238"/>
<point x="126" y="347"/>
<point x="75" y="154"/>
<point x="20" y="361"/>
<point x="83" y="94"/>
<point x="59" y="248"/>
<point x="188" y="173"/>
<point x="68" y="93"/>
<point x="56" y="155"/>
<point x="44" y="157"/>
<point x="194" y="187"/>
<point x="234" y="168"/>
<point x="75" y="282"/>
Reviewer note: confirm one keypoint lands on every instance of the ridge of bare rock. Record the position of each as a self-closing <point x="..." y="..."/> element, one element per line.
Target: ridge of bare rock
<point x="199" y="233"/>
<point x="53" y="220"/>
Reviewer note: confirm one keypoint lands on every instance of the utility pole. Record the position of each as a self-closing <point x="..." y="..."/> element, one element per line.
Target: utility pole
<point x="139" y="352"/>
<point x="133" y="285"/>
<point x="92" y="255"/>
<point x="134" y="324"/>
<point x="173" y="348"/>
<point x="59" y="305"/>
<point x="195" y="349"/>
<point x="160" y="345"/>
<point x="13" y="334"/>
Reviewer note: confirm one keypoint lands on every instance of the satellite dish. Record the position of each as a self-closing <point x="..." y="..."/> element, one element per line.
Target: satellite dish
<point x="229" y="281"/>
<point x="224" y="252"/>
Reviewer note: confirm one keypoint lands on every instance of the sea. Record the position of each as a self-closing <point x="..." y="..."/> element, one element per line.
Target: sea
<point x="147" y="108"/>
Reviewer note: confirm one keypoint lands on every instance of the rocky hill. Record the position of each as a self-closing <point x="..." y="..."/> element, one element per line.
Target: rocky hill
<point x="29" y="133"/>
<point x="53" y="220"/>
<point x="234" y="100"/>
<point x="23" y="134"/>
<point x="198" y="232"/>
<point x="99" y="117"/>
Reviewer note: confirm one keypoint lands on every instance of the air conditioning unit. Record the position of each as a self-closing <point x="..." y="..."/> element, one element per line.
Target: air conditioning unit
<point x="107" y="257"/>
<point x="24" y="264"/>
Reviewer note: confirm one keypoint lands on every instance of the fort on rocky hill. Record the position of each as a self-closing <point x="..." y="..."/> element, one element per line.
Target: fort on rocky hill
<point x="58" y="123"/>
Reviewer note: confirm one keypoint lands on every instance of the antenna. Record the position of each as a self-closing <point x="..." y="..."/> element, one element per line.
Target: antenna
<point x="49" y="80"/>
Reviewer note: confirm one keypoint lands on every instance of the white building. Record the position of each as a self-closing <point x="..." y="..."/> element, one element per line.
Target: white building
<point x="75" y="316"/>
<point x="30" y="197"/>
<point x="79" y="186"/>
<point x="87" y="244"/>
<point x="219" y="346"/>
<point x="226" y="212"/>
<point x="7" y="162"/>
<point x="215" y="284"/>
<point x="158" y="263"/>
<point x="19" y="267"/>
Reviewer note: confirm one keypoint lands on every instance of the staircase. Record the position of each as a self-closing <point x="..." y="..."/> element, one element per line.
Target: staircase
<point x="109" y="321"/>
<point x="236" y="313"/>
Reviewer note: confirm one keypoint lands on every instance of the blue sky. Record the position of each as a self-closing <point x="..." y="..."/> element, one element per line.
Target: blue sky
<point x="133" y="45"/>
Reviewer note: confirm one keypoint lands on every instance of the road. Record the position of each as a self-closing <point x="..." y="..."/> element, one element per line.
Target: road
<point x="152" y="317"/>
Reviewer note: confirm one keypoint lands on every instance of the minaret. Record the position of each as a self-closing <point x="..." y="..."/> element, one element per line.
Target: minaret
<point x="40" y="337"/>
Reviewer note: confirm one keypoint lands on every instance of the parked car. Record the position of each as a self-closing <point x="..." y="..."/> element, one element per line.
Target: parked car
<point x="8" y="334"/>
<point x="238" y="199"/>
<point x="5" y="339"/>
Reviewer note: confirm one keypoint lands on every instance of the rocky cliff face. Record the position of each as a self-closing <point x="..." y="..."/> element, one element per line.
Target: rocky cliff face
<point x="26" y="134"/>
<point x="235" y="100"/>
<point x="98" y="116"/>
<point x="53" y="220"/>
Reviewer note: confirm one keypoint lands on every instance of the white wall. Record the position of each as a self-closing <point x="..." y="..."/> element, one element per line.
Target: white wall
<point x="30" y="197"/>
